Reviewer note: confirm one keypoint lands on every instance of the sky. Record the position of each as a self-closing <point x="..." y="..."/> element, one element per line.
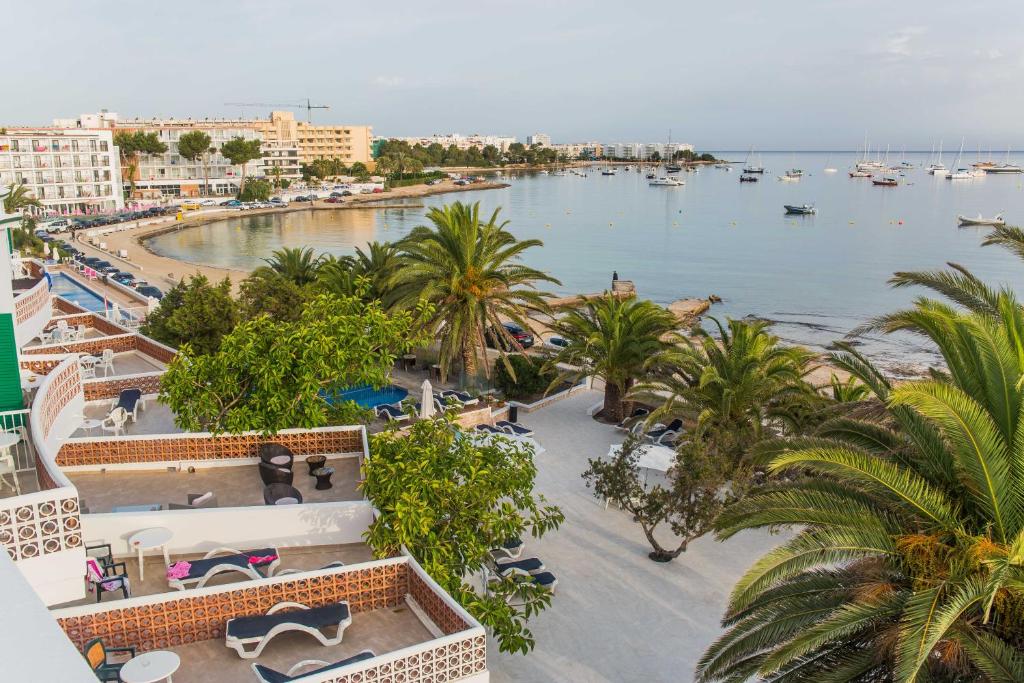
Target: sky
<point x="780" y="74"/>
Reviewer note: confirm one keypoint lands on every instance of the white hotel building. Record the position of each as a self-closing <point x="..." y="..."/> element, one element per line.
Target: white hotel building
<point x="643" y="150"/>
<point x="70" y="171"/>
<point x="502" y="142"/>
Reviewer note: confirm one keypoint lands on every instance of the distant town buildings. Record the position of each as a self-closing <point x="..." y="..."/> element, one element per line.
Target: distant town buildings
<point x="463" y="142"/>
<point x="69" y="170"/>
<point x="578" y="150"/>
<point x="644" y="150"/>
<point x="542" y="139"/>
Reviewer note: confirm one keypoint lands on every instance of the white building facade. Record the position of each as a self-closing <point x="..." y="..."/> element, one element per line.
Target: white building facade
<point x="542" y="139"/>
<point x="502" y="142"/>
<point x="579" y="150"/>
<point x="74" y="171"/>
<point x="643" y="150"/>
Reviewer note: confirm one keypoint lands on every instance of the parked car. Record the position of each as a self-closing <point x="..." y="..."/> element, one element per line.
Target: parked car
<point x="150" y="290"/>
<point x="208" y="202"/>
<point x="58" y="225"/>
<point x="301" y="198"/>
<point x="522" y="337"/>
<point x="335" y="194"/>
<point x="556" y="343"/>
<point x="278" y="202"/>
<point x="334" y="200"/>
<point x="123" y="277"/>
<point x="435" y="181"/>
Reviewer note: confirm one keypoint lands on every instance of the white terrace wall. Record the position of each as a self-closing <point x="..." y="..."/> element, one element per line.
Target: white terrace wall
<point x="32" y="311"/>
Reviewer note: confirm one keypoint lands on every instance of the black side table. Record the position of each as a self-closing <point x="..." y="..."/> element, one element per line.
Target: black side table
<point x="315" y="462"/>
<point x="323" y="477"/>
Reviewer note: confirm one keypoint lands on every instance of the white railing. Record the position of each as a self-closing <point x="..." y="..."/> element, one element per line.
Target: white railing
<point x="23" y="452"/>
<point x="32" y="310"/>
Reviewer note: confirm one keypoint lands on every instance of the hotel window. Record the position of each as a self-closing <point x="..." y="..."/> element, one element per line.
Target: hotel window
<point x="103" y="146"/>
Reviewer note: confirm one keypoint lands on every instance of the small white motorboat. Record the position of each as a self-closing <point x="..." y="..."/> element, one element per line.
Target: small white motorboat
<point x="666" y="182"/>
<point x="980" y="220"/>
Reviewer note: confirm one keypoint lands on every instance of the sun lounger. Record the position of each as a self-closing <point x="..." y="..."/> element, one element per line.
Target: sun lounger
<point x="656" y="435"/>
<point x="511" y="548"/>
<point x="337" y="564"/>
<point x="531" y="565"/>
<point x="460" y="396"/>
<point x="131" y="400"/>
<point x="266" y="675"/>
<point x="628" y="424"/>
<point x="513" y="428"/>
<point x="388" y="411"/>
<point x="490" y="429"/>
<point x="241" y="632"/>
<point x="195" y="573"/>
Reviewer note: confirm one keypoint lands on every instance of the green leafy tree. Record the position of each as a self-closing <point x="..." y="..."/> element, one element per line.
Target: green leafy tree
<point x="268" y="375"/>
<point x="698" y="486"/>
<point x="19" y="198"/>
<point x="256" y="190"/>
<point x="471" y="271"/>
<point x="366" y="274"/>
<point x="359" y="170"/>
<point x="616" y="340"/>
<point x="730" y="385"/>
<point x="195" y="145"/>
<point x="240" y="152"/>
<point x="295" y="263"/>
<point x="449" y="500"/>
<point x="267" y="292"/>
<point x="197" y="313"/>
<point x="131" y="146"/>
<point x="521" y="377"/>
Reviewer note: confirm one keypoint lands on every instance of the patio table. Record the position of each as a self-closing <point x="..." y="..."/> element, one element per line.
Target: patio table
<point x="150" y="667"/>
<point x="150" y="539"/>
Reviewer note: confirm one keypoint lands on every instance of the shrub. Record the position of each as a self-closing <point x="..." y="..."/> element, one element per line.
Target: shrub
<point x="529" y="380"/>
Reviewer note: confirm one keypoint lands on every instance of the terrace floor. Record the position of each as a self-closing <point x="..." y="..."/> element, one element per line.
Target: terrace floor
<point x="90" y="333"/>
<point x="303" y="559"/>
<point x="382" y="630"/>
<point x="156" y="418"/>
<point x="131" y="363"/>
<point x="611" y="600"/>
<point x="234" y="486"/>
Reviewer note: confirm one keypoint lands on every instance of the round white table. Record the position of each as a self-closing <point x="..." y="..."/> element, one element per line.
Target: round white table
<point x="89" y="424"/>
<point x="150" y="667"/>
<point x="151" y="539"/>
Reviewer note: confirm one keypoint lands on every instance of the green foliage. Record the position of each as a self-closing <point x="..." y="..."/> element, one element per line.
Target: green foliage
<point x="436" y="155"/>
<point x="416" y="178"/>
<point x="196" y="313"/>
<point x="615" y="339"/>
<point x="907" y="562"/>
<point x="267" y="374"/>
<point x="297" y="264"/>
<point x="133" y="144"/>
<point x="521" y="377"/>
<point x="267" y="292"/>
<point x="699" y="486"/>
<point x="194" y="145"/>
<point x="471" y="271"/>
<point x="449" y="500"/>
<point x="359" y="170"/>
<point x="18" y="198"/>
<point x="325" y="168"/>
<point x="240" y="152"/>
<point x="367" y="274"/>
<point x="349" y="413"/>
<point x="730" y="385"/>
<point x="255" y="190"/>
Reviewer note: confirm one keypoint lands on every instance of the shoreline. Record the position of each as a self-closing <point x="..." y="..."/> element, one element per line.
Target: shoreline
<point x="165" y="271"/>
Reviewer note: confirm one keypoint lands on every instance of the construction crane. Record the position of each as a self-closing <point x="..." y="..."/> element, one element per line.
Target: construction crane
<point x="307" y="106"/>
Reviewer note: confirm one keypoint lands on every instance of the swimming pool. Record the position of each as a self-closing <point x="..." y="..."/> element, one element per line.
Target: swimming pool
<point x="368" y="397"/>
<point x="73" y="291"/>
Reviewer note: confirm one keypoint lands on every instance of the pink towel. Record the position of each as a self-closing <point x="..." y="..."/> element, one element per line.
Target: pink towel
<point x="179" y="570"/>
<point x="262" y="559"/>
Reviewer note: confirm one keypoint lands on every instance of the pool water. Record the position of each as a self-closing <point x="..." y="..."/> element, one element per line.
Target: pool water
<point x="76" y="293"/>
<point x="368" y="397"/>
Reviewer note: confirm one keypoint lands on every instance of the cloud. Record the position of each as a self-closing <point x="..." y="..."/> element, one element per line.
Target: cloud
<point x="388" y="81"/>
<point x="902" y="45"/>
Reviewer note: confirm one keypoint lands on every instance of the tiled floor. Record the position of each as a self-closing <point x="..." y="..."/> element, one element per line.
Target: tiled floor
<point x="304" y="559"/>
<point x="236" y="486"/>
<point x="90" y="333"/>
<point x="131" y="363"/>
<point x="155" y="418"/>
<point x="382" y="631"/>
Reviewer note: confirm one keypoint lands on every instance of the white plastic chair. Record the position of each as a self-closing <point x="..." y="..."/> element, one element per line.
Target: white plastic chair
<point x="80" y="332"/>
<point x="106" y="362"/>
<point x="88" y="365"/>
<point x="115" y="421"/>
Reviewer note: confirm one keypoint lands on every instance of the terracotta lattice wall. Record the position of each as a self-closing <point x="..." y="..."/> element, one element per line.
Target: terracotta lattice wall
<point x="124" y="342"/>
<point x="31" y="302"/>
<point x="96" y="389"/>
<point x="35" y="529"/>
<point x="93" y="320"/>
<point x="190" y="619"/>
<point x="173" y="448"/>
<point x="64" y="306"/>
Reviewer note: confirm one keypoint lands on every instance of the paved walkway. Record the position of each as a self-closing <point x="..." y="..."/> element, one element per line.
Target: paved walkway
<point x="617" y="616"/>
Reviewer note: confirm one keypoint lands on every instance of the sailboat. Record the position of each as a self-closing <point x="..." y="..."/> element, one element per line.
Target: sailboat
<point x="938" y="168"/>
<point x="828" y="165"/>
<point x="960" y="173"/>
<point x="747" y="168"/>
<point x="1005" y="167"/>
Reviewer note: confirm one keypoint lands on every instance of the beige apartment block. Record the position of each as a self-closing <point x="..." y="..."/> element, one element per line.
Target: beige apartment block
<point x="317" y="141"/>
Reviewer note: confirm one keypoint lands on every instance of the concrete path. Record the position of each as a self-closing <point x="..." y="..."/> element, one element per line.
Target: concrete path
<point x="617" y="616"/>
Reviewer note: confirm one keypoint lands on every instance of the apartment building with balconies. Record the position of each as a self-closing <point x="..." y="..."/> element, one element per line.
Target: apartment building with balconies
<point x="68" y="171"/>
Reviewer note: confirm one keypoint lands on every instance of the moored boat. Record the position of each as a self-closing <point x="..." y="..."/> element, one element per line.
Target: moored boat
<point x="885" y="182"/>
<point x="980" y="220"/>
<point x="748" y="178"/>
<point x="666" y="182"/>
<point x="800" y="210"/>
<point x="859" y="174"/>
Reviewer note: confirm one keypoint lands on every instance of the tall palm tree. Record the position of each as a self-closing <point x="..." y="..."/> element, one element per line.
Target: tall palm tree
<point x="908" y="559"/>
<point x="470" y="269"/>
<point x="729" y="385"/>
<point x="297" y="264"/>
<point x="19" y="197"/>
<point x="614" y="339"/>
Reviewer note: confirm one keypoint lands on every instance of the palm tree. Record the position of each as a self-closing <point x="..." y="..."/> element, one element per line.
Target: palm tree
<point x="297" y="264"/>
<point x="614" y="339"/>
<point x="908" y="559"/>
<point x="470" y="270"/>
<point x="731" y="385"/>
<point x="19" y="197"/>
<point x="365" y="274"/>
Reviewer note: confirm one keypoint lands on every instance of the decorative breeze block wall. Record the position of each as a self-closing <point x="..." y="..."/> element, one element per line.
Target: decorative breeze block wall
<point x="41" y="528"/>
<point x="96" y="389"/>
<point x="31" y="302"/>
<point x="174" y="448"/>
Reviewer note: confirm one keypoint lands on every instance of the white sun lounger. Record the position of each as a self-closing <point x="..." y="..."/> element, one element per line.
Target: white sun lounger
<point x="241" y="632"/>
<point x="201" y="571"/>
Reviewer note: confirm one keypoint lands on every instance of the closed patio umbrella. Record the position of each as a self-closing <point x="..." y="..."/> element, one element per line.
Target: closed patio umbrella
<point x="427" y="401"/>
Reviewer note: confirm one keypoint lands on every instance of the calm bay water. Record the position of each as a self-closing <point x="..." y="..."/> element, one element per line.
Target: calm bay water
<point x="816" y="276"/>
